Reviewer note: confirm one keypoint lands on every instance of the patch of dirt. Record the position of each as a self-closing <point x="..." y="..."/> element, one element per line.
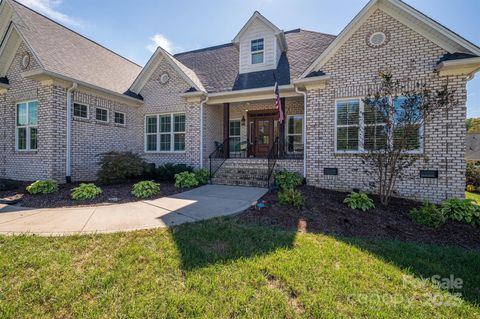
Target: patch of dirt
<point x="324" y="212"/>
<point x="112" y="194"/>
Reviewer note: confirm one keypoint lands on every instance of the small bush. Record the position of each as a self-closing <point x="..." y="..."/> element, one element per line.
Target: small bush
<point x="473" y="174"/>
<point x="202" y="175"/>
<point x="145" y="189"/>
<point x="290" y="196"/>
<point x="462" y="210"/>
<point x="359" y="201"/>
<point x="85" y="191"/>
<point x="168" y="171"/>
<point x="470" y="188"/>
<point x="428" y="215"/>
<point x="288" y="180"/>
<point x="117" y="168"/>
<point x="42" y="187"/>
<point x="185" y="180"/>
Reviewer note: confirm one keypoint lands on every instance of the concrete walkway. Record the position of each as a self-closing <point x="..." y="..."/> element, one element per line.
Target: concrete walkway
<point x="201" y="203"/>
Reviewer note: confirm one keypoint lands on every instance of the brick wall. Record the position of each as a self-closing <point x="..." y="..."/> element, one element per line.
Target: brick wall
<point x="410" y="57"/>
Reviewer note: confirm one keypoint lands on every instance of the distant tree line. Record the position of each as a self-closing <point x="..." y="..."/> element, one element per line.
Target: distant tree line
<point x="473" y="125"/>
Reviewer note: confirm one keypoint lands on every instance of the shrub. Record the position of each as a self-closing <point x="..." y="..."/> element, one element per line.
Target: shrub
<point x="145" y="189"/>
<point x="202" y="175"/>
<point x="470" y="188"/>
<point x="117" y="168"/>
<point x="168" y="171"/>
<point x="359" y="201"/>
<point x="288" y="180"/>
<point x="462" y="210"/>
<point x="290" y="196"/>
<point x="185" y="180"/>
<point x="42" y="187"/>
<point x="428" y="215"/>
<point x="85" y="191"/>
<point x="473" y="174"/>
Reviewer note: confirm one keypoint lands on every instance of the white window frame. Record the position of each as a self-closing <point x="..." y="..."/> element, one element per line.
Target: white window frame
<point x="124" y="118"/>
<point x="108" y="115"/>
<point x="361" y="130"/>
<point x="239" y="136"/>
<point x="79" y="117"/>
<point x="287" y="135"/>
<point x="258" y="51"/>
<point x="158" y="133"/>
<point x="27" y="127"/>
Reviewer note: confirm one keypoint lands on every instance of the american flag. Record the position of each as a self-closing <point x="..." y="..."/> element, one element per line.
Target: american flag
<point x="278" y="104"/>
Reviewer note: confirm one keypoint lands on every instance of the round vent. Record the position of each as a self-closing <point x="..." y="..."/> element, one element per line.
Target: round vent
<point x="25" y="60"/>
<point x="164" y="78"/>
<point x="377" y="39"/>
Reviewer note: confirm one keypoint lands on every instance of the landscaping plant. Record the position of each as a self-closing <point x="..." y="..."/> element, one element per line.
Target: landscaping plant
<point x="168" y="171"/>
<point x="42" y="187"/>
<point x="428" y="215"/>
<point x="120" y="167"/>
<point x="462" y="210"/>
<point x="470" y="188"/>
<point x="473" y="174"/>
<point x="203" y="175"/>
<point x="359" y="201"/>
<point x="85" y="191"/>
<point x="288" y="180"/>
<point x="186" y="180"/>
<point x="290" y="196"/>
<point x="145" y="189"/>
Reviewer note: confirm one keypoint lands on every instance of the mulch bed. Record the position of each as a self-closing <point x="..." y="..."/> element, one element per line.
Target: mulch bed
<point x="324" y="212"/>
<point x="112" y="194"/>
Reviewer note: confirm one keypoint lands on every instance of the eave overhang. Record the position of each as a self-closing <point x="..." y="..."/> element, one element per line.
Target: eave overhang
<point x="459" y="67"/>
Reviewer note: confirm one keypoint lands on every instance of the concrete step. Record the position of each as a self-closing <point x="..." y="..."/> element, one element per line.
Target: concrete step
<point x="239" y="182"/>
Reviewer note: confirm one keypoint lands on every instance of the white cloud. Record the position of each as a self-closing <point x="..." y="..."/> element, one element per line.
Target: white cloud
<point x="159" y="40"/>
<point x="47" y="7"/>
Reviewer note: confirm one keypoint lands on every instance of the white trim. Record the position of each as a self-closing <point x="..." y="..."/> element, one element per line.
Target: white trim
<point x="259" y="51"/>
<point x="104" y="109"/>
<point x="256" y="15"/>
<point x="79" y="117"/>
<point x="124" y="118"/>
<point x="158" y="133"/>
<point x="27" y="127"/>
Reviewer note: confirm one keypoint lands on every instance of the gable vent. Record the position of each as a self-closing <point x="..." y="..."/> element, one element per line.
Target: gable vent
<point x="377" y="39"/>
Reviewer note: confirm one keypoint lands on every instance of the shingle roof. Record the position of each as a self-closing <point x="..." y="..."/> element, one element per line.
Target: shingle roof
<point x="456" y="56"/>
<point x="66" y="52"/>
<point x="217" y="67"/>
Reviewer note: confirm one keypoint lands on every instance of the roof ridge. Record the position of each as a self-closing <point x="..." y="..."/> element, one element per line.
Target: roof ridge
<point x="218" y="46"/>
<point x="75" y="32"/>
<point x="311" y="31"/>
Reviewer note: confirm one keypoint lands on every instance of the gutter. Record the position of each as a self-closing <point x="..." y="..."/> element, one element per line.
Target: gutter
<point x="68" y="168"/>
<point x="304" y="130"/>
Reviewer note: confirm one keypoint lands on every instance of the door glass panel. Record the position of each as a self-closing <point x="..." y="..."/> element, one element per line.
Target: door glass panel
<point x="264" y="132"/>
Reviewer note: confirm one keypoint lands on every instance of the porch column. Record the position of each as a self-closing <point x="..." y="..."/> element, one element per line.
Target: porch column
<point x="226" y="129"/>
<point x="281" y="144"/>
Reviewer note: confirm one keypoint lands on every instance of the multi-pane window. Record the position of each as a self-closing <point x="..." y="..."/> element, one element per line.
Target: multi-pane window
<point x="234" y="136"/>
<point x="165" y="132"/>
<point x="257" y="49"/>
<point x="295" y="133"/>
<point x="119" y="118"/>
<point x="101" y="114"/>
<point x="26" y="126"/>
<point x="361" y="127"/>
<point x="80" y="110"/>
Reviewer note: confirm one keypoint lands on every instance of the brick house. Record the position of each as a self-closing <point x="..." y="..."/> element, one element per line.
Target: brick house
<point x="64" y="99"/>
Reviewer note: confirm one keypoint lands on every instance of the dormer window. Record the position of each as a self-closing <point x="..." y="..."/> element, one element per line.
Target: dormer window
<point x="257" y="51"/>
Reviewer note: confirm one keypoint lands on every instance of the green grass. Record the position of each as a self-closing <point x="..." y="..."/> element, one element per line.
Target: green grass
<point x="225" y="269"/>
<point x="475" y="197"/>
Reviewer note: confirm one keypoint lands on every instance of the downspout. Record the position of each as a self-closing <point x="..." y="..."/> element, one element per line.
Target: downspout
<point x="304" y="130"/>
<point x="68" y="168"/>
<point x="202" y="103"/>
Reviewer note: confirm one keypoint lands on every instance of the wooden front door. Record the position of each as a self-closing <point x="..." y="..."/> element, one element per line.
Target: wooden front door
<point x="262" y="135"/>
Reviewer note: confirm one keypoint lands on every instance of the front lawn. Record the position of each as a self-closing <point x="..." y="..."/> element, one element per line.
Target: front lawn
<point x="227" y="268"/>
<point x="474" y="196"/>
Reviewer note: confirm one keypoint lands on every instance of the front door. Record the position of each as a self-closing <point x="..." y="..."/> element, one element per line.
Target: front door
<point x="263" y="135"/>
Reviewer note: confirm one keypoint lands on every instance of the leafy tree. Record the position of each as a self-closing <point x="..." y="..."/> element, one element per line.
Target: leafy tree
<point x="473" y="125"/>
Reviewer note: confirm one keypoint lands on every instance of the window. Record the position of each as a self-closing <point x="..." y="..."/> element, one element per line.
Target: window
<point x="101" y="115"/>
<point x="119" y="118"/>
<point x="26" y="126"/>
<point x="165" y="133"/>
<point x="80" y="110"/>
<point x="234" y="136"/>
<point x="361" y="127"/>
<point x="295" y="134"/>
<point x="256" y="50"/>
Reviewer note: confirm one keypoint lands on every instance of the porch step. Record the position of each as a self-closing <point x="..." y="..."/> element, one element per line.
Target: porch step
<point x="244" y="172"/>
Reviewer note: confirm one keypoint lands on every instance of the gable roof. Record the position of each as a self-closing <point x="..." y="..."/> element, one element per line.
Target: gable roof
<point x="429" y="28"/>
<point x="257" y="16"/>
<point x="188" y="75"/>
<point x="218" y="68"/>
<point x="74" y="56"/>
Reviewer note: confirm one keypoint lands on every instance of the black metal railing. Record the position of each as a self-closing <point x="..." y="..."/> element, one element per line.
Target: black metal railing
<point x="218" y="157"/>
<point x="272" y="160"/>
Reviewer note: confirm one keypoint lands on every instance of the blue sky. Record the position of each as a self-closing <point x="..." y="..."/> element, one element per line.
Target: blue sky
<point x="134" y="28"/>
